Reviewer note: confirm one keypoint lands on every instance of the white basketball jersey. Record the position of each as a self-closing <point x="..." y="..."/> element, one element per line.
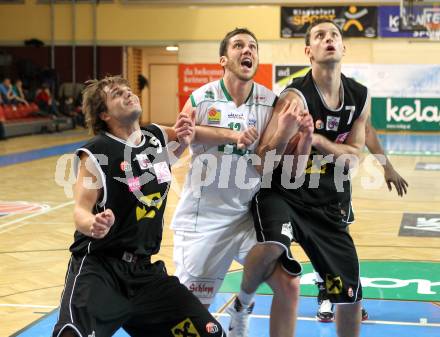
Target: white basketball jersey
<point x="230" y="178"/>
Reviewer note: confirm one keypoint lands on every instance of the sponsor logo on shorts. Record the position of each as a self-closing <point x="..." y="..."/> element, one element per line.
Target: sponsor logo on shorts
<point x="211" y="327"/>
<point x="202" y="289"/>
<point x="214" y="116"/>
<point x="185" y="328"/>
<point x="333" y="284"/>
<point x="332" y="123"/>
<point x="287" y="230"/>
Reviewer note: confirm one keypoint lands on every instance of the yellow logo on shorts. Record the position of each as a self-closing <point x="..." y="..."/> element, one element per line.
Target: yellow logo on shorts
<point x="185" y="328"/>
<point x="333" y="284"/>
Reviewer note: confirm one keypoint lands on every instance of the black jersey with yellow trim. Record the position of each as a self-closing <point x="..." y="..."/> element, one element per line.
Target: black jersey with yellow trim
<point x="134" y="181"/>
<point x="323" y="184"/>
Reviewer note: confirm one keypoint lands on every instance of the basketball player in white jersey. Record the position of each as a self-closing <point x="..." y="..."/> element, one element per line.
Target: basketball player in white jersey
<point x="212" y="223"/>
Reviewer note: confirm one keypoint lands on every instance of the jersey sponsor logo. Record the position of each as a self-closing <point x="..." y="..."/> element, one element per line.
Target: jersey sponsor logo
<point x="150" y="205"/>
<point x="319" y="124"/>
<point x="144" y="162"/>
<point x="341" y="137"/>
<point x="125" y="166"/>
<point x="235" y="115"/>
<point x="332" y="123"/>
<point x="211" y="327"/>
<point x="286" y="230"/>
<point x="185" y="328"/>
<point x="259" y="98"/>
<point x="214" y="116"/>
<point x="162" y="172"/>
<point x="133" y="184"/>
<point x="333" y="284"/>
<point x="202" y="289"/>
<point x="252" y="122"/>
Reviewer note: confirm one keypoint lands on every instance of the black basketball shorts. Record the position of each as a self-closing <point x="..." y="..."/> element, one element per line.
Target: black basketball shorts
<point x="322" y="233"/>
<point x="103" y="294"/>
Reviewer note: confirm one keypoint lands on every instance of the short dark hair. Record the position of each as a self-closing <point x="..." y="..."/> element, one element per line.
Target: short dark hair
<point x="228" y="36"/>
<point x="94" y="98"/>
<point x="318" y="22"/>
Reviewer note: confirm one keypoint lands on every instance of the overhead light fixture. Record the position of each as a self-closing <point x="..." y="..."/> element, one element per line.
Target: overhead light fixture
<point x="172" y="48"/>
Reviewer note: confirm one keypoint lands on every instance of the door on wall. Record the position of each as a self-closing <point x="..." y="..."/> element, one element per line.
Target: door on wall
<point x="163" y="93"/>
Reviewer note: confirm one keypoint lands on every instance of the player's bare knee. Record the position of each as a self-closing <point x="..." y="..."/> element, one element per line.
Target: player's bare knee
<point x="284" y="283"/>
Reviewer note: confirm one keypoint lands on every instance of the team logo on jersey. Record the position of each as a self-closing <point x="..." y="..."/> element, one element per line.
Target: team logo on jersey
<point x="214" y="116"/>
<point x="185" y="328"/>
<point x="150" y="204"/>
<point x="319" y="124"/>
<point x="341" y="137"/>
<point x="125" y="166"/>
<point x="333" y="284"/>
<point x="144" y="162"/>
<point x="209" y="94"/>
<point x="350" y="292"/>
<point x="133" y="184"/>
<point x="332" y="123"/>
<point x="211" y="327"/>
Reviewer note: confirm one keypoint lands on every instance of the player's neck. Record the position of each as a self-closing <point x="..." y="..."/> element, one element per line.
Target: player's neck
<point x="327" y="78"/>
<point x="237" y="89"/>
<point x="130" y="133"/>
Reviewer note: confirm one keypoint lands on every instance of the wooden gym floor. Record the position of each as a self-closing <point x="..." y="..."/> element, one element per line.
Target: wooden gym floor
<point x="34" y="245"/>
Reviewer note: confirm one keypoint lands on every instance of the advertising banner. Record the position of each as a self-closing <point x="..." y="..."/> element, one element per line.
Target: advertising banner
<point x="404" y="97"/>
<point x="389" y="24"/>
<point x="193" y="76"/>
<point x="412" y="114"/>
<point x="354" y="21"/>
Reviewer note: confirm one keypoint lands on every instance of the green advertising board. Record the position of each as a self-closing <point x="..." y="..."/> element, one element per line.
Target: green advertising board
<point x="391" y="280"/>
<point x="410" y="114"/>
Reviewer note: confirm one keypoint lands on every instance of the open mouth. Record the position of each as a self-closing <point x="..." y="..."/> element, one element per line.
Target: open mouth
<point x="246" y="63"/>
<point x="330" y="48"/>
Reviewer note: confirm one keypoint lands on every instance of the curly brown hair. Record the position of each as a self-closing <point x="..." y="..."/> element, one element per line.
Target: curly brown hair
<point x="94" y="98"/>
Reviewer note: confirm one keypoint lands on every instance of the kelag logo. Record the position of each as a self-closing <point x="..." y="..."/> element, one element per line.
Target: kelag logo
<point x="390" y="280"/>
<point x="416" y="114"/>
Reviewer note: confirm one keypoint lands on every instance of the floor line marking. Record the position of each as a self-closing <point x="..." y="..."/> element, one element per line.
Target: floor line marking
<point x="36" y="214"/>
<point x="11" y="305"/>
<point x="436" y="325"/>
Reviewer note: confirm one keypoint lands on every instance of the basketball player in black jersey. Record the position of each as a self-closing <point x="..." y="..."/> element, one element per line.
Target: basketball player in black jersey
<point x="123" y="178"/>
<point x="315" y="213"/>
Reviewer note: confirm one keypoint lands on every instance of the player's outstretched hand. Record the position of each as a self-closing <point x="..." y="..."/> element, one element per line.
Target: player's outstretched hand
<point x="102" y="223"/>
<point x="394" y="178"/>
<point x="247" y="137"/>
<point x="185" y="127"/>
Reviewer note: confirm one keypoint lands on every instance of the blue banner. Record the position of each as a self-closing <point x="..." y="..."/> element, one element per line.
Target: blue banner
<point x="389" y="24"/>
